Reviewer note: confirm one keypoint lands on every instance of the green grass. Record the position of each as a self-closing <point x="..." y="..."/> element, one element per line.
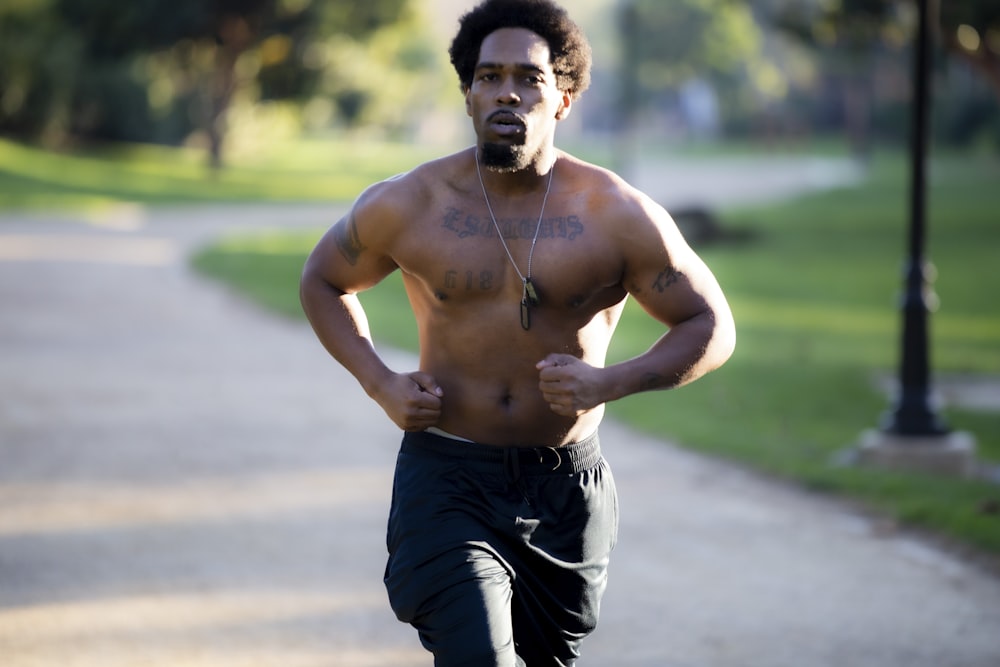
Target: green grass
<point x="814" y="291"/>
<point x="321" y="170"/>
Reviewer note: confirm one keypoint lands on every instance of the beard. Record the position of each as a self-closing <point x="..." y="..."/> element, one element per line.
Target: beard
<point x="505" y="158"/>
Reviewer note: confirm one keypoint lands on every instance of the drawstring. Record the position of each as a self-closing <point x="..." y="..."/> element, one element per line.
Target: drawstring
<point x="558" y="457"/>
<point x="512" y="462"/>
<point x="512" y="471"/>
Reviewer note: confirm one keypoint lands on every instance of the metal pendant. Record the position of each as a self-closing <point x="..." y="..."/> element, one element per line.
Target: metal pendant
<point x="530" y="293"/>
<point x="529" y="300"/>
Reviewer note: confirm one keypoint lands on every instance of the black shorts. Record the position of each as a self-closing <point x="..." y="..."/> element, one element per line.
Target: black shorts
<point x="498" y="556"/>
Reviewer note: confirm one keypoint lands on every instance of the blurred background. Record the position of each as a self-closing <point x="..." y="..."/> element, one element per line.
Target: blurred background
<point x="226" y="76"/>
<point x="777" y="132"/>
<point x="179" y="472"/>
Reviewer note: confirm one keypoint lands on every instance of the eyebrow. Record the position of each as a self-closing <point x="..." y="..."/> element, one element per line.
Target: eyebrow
<point x="530" y="67"/>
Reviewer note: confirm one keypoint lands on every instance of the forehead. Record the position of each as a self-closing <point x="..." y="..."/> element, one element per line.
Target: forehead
<point x="515" y="46"/>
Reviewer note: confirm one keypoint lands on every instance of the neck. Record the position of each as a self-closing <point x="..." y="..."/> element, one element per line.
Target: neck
<point x="522" y="180"/>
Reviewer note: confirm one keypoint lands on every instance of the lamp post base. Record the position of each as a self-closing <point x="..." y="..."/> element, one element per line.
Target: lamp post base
<point x="952" y="453"/>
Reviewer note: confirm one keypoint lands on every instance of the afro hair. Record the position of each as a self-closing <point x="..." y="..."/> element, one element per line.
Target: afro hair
<point x="571" y="54"/>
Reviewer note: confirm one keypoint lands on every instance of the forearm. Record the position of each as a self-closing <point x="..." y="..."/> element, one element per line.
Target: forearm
<point x="341" y="325"/>
<point x="688" y="351"/>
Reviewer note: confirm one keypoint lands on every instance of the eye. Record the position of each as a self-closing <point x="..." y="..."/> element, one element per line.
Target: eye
<point x="536" y="78"/>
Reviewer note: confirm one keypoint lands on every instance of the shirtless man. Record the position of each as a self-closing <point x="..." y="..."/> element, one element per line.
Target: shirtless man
<point x="517" y="259"/>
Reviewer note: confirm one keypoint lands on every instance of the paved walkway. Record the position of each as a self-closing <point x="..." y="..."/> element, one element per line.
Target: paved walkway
<point x="186" y="481"/>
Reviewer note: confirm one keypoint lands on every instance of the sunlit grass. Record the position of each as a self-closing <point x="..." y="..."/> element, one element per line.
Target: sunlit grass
<point x="306" y="170"/>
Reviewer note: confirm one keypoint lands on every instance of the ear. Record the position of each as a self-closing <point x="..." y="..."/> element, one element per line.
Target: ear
<point x="565" y="106"/>
<point x="468" y="102"/>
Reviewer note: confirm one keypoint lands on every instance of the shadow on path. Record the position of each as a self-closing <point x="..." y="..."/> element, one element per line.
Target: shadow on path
<point x="189" y="481"/>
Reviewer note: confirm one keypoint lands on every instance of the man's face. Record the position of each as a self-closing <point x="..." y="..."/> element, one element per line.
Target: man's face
<point x="513" y="101"/>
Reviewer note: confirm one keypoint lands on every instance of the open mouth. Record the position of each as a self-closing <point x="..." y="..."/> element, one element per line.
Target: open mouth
<point x="505" y="123"/>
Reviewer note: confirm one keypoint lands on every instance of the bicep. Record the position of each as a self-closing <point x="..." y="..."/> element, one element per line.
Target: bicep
<point x="666" y="277"/>
<point x="352" y="255"/>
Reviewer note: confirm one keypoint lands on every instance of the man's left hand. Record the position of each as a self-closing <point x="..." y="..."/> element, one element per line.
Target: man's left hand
<point x="569" y="385"/>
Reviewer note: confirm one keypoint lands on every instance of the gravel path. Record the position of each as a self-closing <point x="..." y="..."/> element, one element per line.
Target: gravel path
<point x="186" y="481"/>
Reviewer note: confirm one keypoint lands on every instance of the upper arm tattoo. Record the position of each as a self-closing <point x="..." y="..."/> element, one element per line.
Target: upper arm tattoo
<point x="349" y="241"/>
<point x="669" y="276"/>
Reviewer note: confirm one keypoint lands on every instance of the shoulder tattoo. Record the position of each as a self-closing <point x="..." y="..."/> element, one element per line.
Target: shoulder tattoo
<point x="348" y="240"/>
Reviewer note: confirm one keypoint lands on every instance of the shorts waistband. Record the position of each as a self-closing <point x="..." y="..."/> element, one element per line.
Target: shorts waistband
<point x="512" y="461"/>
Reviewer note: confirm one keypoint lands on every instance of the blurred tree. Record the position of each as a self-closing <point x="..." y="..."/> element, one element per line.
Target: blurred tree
<point x="849" y="34"/>
<point x="154" y="70"/>
<point x="695" y="50"/>
<point x="846" y="34"/>
<point x="391" y="74"/>
<point x="38" y="59"/>
<point x="970" y="29"/>
<point x="686" y="39"/>
<point x="672" y="43"/>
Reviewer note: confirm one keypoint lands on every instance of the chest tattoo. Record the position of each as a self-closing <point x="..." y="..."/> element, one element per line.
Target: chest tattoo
<point x="468" y="280"/>
<point x="470" y="225"/>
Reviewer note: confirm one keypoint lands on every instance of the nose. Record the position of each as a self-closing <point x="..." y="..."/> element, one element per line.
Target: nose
<point x="507" y="93"/>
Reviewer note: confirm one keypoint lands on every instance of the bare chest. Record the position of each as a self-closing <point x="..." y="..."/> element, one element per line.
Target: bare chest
<point x="458" y="255"/>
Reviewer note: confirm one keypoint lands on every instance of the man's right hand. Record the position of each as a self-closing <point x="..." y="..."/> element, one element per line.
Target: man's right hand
<point x="411" y="400"/>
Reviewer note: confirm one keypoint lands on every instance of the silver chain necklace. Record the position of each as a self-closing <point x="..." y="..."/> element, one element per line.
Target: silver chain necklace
<point x="529" y="296"/>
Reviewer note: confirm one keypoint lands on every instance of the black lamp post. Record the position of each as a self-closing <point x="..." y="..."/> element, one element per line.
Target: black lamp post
<point x="913" y="414"/>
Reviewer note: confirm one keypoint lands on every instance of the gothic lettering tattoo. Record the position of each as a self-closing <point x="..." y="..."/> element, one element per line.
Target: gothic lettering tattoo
<point x="465" y="224"/>
<point x="349" y="241"/>
<point x="667" y="277"/>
